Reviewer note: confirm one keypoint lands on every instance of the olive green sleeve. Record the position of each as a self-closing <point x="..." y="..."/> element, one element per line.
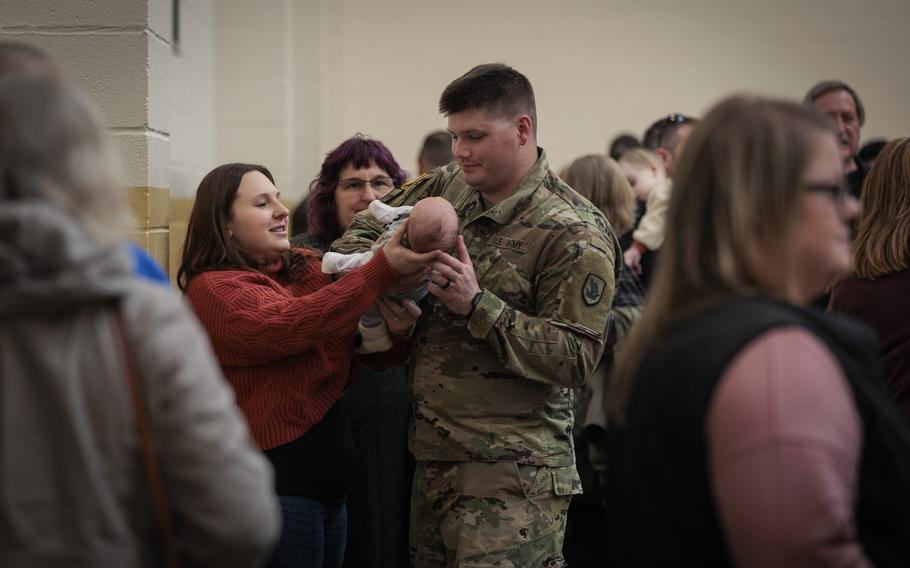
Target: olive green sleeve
<point x="562" y="342"/>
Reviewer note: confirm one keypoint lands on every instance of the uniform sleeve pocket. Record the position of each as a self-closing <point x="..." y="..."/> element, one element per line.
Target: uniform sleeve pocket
<point x="566" y="481"/>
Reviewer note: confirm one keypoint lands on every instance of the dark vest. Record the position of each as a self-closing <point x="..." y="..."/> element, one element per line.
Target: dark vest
<point x="663" y="510"/>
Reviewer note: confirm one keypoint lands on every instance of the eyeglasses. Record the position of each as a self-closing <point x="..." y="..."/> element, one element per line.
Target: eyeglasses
<point x="838" y="192"/>
<point x="378" y="183"/>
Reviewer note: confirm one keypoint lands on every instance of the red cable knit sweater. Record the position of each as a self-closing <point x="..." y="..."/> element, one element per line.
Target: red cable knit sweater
<point x="286" y="347"/>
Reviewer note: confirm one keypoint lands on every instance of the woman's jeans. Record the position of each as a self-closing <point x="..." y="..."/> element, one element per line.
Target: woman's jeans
<point x="313" y="534"/>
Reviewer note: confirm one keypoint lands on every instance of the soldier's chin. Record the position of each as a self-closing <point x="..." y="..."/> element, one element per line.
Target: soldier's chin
<point x="473" y="178"/>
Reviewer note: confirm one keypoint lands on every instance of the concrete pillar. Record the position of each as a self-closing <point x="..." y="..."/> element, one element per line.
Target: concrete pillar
<point x="119" y="52"/>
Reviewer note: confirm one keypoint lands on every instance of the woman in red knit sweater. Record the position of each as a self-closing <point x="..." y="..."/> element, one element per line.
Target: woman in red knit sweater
<point x="284" y="335"/>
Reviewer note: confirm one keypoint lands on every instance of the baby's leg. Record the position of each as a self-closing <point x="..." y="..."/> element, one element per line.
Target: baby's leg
<point x="373" y="332"/>
<point x="372" y="317"/>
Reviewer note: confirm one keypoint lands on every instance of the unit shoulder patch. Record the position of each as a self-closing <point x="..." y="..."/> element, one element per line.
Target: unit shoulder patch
<point x="593" y="289"/>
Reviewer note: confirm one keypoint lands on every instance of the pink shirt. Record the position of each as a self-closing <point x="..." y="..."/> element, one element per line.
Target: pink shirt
<point x="784" y="442"/>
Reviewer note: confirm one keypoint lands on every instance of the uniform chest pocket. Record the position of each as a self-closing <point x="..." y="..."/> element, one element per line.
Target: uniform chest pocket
<point x="505" y="277"/>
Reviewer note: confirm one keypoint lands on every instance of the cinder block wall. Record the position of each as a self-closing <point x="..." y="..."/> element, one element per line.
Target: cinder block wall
<point x="152" y="211"/>
<point x="119" y="52"/>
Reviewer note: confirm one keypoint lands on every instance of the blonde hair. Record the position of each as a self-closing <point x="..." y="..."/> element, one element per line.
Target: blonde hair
<point x="732" y="212"/>
<point x="882" y="244"/>
<point x="599" y="179"/>
<point x="643" y="157"/>
<point x="54" y="149"/>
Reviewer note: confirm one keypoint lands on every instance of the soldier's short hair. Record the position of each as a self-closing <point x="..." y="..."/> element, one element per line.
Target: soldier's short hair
<point x="493" y="87"/>
<point x="827" y="86"/>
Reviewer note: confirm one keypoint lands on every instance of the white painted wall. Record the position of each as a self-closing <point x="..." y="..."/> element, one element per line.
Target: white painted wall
<point x="293" y="78"/>
<point x="193" y="99"/>
<point x="281" y="82"/>
<point x="600" y="67"/>
<point x="254" y="81"/>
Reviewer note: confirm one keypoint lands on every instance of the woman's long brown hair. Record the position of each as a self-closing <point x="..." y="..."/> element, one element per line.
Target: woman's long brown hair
<point x="208" y="245"/>
<point x="882" y="244"/>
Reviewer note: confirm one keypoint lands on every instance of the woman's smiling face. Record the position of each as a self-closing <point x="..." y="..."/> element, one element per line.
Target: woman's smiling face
<point x="259" y="221"/>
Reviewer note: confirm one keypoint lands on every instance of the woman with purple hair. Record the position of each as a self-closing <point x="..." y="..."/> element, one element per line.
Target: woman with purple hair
<point x="355" y="173"/>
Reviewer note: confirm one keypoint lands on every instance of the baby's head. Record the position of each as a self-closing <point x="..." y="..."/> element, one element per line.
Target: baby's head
<point x="432" y="225"/>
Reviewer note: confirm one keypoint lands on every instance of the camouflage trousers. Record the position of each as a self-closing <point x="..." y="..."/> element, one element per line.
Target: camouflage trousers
<point x="489" y="514"/>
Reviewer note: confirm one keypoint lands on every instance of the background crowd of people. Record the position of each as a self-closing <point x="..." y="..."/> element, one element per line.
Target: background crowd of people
<point x="691" y="349"/>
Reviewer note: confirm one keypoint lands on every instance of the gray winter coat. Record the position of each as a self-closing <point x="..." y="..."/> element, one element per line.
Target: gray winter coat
<point x="73" y="491"/>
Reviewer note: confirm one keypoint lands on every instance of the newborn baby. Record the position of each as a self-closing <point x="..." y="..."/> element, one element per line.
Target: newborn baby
<point x="432" y="225"/>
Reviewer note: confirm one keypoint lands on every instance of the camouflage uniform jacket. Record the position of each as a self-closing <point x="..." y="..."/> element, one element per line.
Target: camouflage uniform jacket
<point x="498" y="385"/>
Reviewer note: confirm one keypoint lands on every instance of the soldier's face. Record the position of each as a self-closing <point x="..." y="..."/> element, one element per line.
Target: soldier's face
<point x="487" y="148"/>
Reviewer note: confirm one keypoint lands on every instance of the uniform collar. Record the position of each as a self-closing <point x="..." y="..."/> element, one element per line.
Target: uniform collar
<point x="504" y="211"/>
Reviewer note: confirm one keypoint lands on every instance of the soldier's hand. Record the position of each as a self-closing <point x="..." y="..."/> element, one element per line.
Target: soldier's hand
<point x="453" y="281"/>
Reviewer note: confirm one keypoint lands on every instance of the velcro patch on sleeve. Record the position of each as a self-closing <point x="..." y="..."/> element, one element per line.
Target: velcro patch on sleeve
<point x="593" y="289"/>
<point x="587" y="291"/>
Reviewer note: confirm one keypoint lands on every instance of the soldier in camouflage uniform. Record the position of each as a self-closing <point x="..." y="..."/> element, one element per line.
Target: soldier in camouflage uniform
<point x="515" y="320"/>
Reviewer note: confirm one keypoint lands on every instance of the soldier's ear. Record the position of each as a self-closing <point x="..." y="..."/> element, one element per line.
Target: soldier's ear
<point x="523" y="123"/>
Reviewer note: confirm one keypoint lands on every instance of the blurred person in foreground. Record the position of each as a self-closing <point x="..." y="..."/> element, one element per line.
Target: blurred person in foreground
<point x="17" y="58"/>
<point x="81" y="338"/>
<point x="878" y="289"/>
<point x="754" y="431"/>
